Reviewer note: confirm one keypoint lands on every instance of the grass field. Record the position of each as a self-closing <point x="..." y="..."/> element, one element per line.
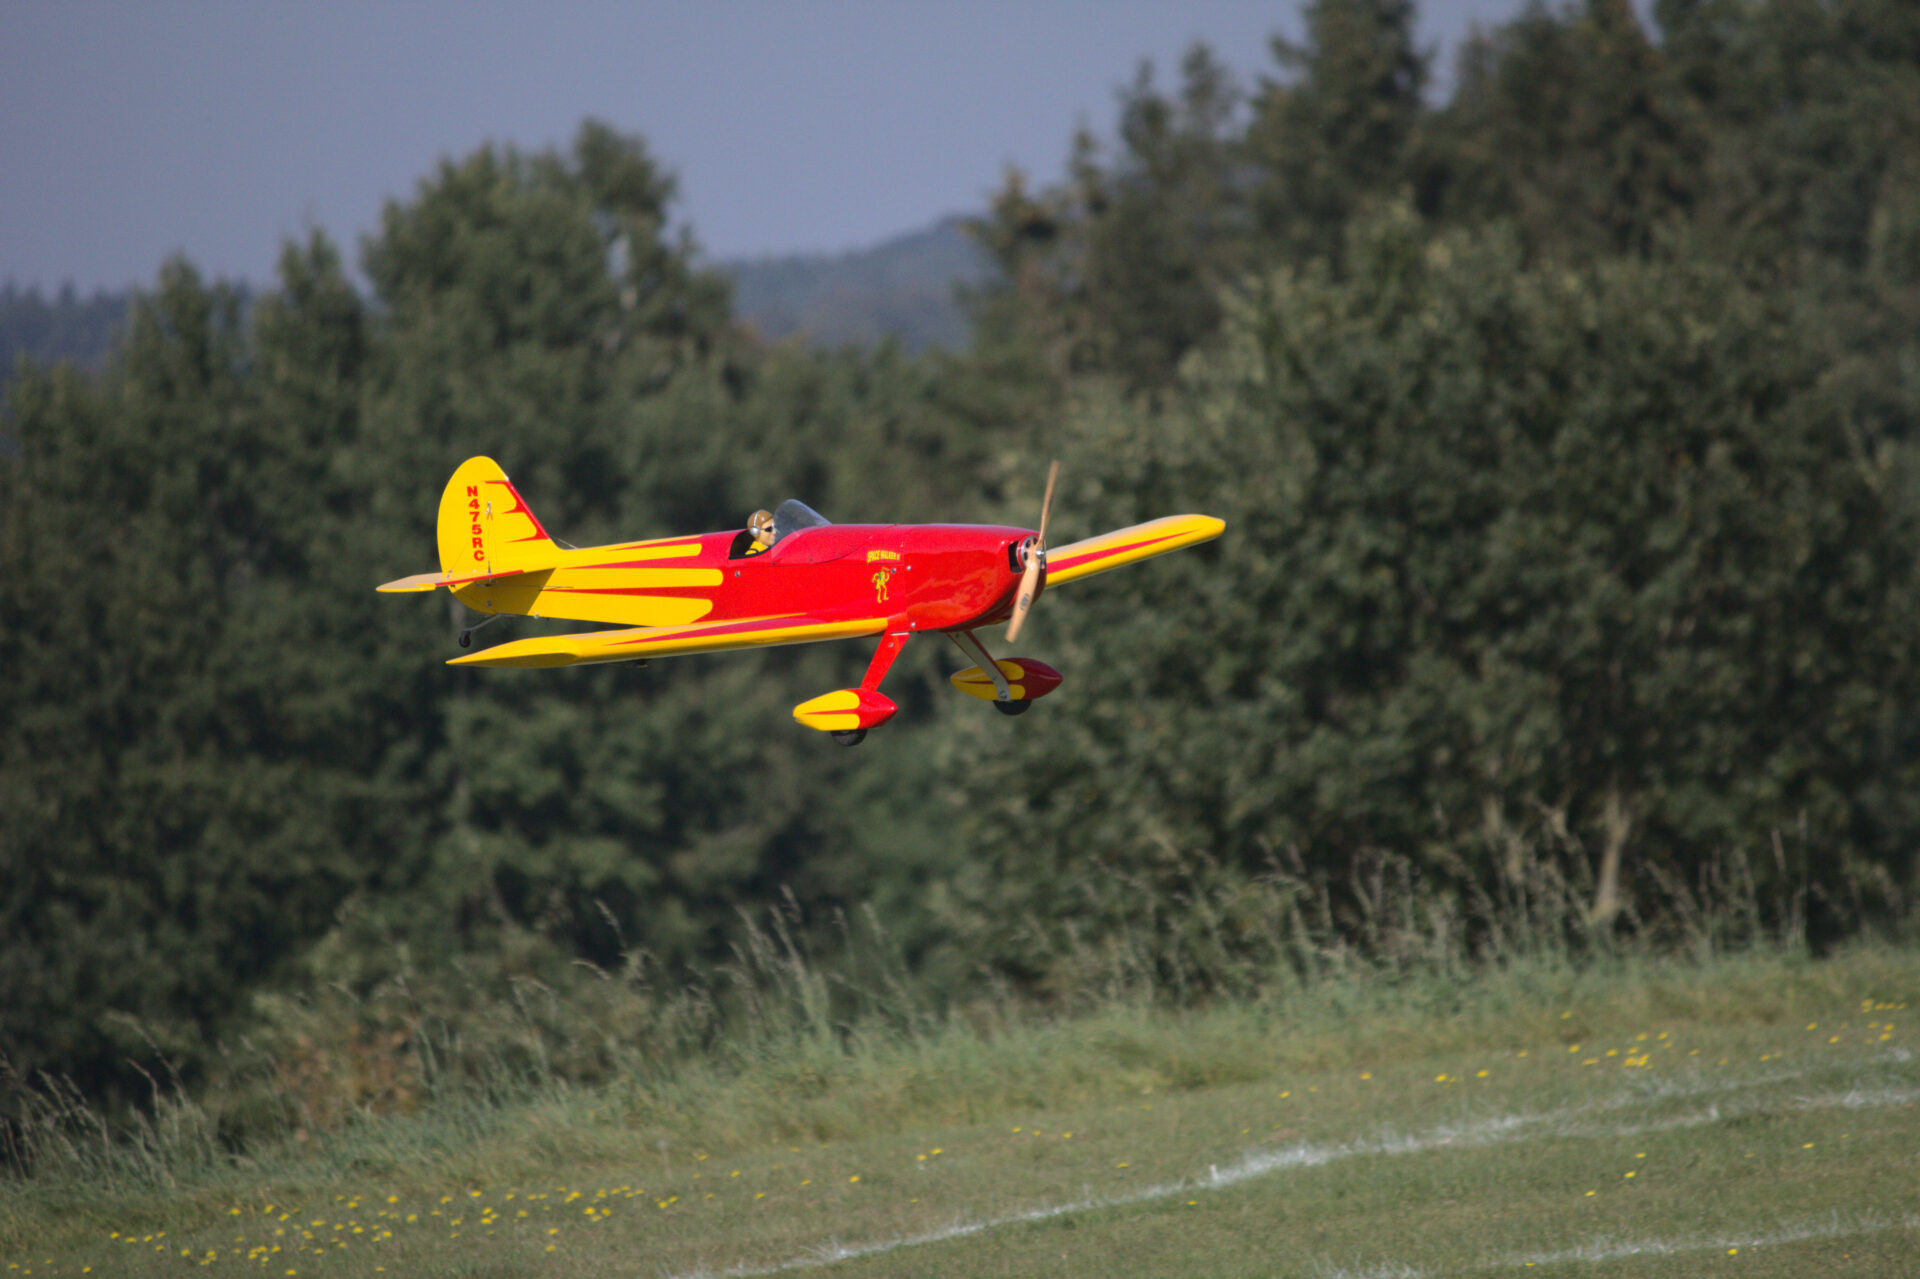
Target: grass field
<point x="1757" y="1116"/>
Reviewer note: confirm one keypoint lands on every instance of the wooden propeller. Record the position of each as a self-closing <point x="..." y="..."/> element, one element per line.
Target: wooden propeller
<point x="1036" y="562"/>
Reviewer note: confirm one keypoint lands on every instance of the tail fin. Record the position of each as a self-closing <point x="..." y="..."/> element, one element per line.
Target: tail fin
<point x="485" y="526"/>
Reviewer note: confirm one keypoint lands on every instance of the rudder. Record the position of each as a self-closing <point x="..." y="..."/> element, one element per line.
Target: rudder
<point x="485" y="525"/>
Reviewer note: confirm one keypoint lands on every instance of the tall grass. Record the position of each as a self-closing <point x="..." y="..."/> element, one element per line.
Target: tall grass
<point x="814" y="1032"/>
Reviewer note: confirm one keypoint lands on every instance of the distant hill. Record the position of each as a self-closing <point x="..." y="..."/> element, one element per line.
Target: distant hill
<point x="65" y="326"/>
<point x="901" y="289"/>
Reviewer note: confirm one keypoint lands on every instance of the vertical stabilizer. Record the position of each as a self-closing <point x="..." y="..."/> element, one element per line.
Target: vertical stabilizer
<point x="485" y="526"/>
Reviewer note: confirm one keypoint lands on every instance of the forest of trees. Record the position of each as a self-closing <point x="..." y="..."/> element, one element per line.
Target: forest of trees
<point x="1567" y="434"/>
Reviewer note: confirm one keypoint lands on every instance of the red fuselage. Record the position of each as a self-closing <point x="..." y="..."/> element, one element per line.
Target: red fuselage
<point x="927" y="577"/>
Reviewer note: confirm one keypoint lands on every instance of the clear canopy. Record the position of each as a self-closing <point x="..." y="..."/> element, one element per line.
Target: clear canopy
<point x="793" y="515"/>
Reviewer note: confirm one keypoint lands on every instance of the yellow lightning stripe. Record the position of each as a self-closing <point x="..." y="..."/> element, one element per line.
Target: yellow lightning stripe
<point x="629" y="645"/>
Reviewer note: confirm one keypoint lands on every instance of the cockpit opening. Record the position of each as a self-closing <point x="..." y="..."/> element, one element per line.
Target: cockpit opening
<point x="764" y="530"/>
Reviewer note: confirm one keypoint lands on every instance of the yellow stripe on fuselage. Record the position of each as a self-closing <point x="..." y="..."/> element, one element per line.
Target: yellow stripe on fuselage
<point x="598" y="584"/>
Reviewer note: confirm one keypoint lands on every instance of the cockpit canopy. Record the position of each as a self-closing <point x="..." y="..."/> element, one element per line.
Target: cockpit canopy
<point x="793" y="515"/>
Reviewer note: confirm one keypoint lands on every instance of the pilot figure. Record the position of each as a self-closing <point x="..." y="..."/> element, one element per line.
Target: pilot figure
<point x="761" y="526"/>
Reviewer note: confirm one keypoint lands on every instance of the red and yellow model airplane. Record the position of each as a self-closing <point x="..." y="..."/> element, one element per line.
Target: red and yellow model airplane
<point x="789" y="577"/>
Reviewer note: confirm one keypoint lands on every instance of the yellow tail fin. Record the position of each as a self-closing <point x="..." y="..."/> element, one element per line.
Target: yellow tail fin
<point x="485" y="526"/>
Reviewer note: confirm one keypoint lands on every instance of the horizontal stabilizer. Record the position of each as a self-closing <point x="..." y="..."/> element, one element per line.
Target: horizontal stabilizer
<point x="430" y="581"/>
<point x="1127" y="545"/>
<point x="631" y="644"/>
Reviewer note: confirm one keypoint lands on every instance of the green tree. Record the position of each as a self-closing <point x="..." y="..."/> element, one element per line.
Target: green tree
<point x="1120" y="271"/>
<point x="184" y="793"/>
<point x="1588" y="556"/>
<point x="1564" y="121"/>
<point x="1339" y="127"/>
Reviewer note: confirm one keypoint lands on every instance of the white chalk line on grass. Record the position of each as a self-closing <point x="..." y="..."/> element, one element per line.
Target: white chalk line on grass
<point x="1497" y="1130"/>
<point x="1836" y="1226"/>
<point x="1853" y="1099"/>
<point x="1616" y="1248"/>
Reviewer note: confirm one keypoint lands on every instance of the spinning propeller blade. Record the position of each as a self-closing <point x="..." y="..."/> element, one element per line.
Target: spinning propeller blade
<point x="1036" y="562"/>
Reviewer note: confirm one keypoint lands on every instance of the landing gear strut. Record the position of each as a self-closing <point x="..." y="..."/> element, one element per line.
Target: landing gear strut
<point x="466" y="632"/>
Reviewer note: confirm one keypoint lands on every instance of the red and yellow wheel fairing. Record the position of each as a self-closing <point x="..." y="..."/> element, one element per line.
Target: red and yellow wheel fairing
<point x="1026" y="680"/>
<point x="845" y="709"/>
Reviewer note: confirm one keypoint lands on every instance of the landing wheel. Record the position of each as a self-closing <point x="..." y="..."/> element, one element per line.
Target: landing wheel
<point x="466" y="639"/>
<point x="849" y="736"/>
<point x="1015" y="707"/>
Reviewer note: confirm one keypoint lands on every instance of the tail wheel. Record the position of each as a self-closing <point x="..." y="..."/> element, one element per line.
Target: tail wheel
<point x="850" y="736"/>
<point x="1018" y="707"/>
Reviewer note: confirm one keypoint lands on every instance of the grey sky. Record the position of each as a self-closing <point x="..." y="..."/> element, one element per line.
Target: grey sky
<point x="130" y="131"/>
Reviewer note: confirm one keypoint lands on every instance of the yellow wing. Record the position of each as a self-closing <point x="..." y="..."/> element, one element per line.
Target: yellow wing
<point x="631" y="644"/>
<point x="1124" y="546"/>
